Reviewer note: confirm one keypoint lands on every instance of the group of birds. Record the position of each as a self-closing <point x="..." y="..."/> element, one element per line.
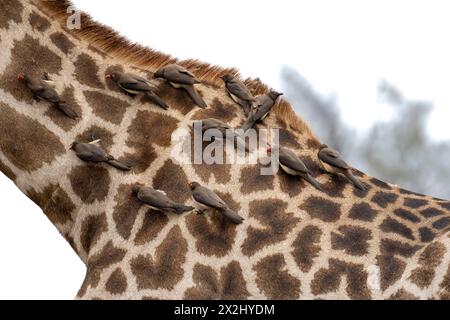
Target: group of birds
<point x="256" y="109"/>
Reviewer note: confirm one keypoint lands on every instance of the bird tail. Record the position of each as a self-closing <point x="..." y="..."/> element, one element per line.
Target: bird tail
<point x="157" y="99"/>
<point x="231" y="215"/>
<point x="119" y="165"/>
<point x="313" y="181"/>
<point x="64" y="108"/>
<point x="179" y="208"/>
<point x="195" y="96"/>
<point x="355" y="180"/>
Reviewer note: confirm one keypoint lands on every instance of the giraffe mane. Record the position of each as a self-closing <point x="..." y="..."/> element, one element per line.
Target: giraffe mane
<point x="115" y="45"/>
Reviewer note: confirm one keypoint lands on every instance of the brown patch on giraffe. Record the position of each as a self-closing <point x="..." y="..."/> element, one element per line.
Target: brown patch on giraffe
<point x="431" y="212"/>
<point x="7" y="171"/>
<point x="108" y="256"/>
<point x="97" y="133"/>
<point x="171" y="179"/>
<point x="90" y="182"/>
<point x="426" y="234"/>
<point x="391" y="270"/>
<point x="91" y="230"/>
<point x="441" y="223"/>
<point x="86" y="71"/>
<point x="307" y="247"/>
<point x="25" y="142"/>
<point x="55" y="203"/>
<point x="291" y="185"/>
<point x="383" y="199"/>
<point x="335" y="186"/>
<point x="117" y="282"/>
<point x="221" y="172"/>
<point x="390" y="225"/>
<point x="176" y="98"/>
<point x="111" y="84"/>
<point x="445" y="205"/>
<point x="394" y="247"/>
<point x="230" y="285"/>
<point x="154" y="222"/>
<point x="411" y="193"/>
<point x="414" y="203"/>
<point x="402" y="294"/>
<point x="165" y="268"/>
<point x="225" y="112"/>
<point x="11" y="12"/>
<point x="288" y="139"/>
<point x="214" y="233"/>
<point x="38" y="22"/>
<point x="362" y="211"/>
<point x="406" y="215"/>
<point x="106" y="107"/>
<point x="60" y="40"/>
<point x="352" y="239"/>
<point x="60" y="118"/>
<point x="444" y="292"/>
<point x="274" y="280"/>
<point x="328" y="280"/>
<point x="251" y="180"/>
<point x="380" y="184"/>
<point x="158" y="130"/>
<point x="276" y="222"/>
<point x="429" y="259"/>
<point x="126" y="210"/>
<point x="30" y="57"/>
<point x="322" y="209"/>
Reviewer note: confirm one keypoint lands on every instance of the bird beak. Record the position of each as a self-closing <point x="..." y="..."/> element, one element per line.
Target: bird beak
<point x="21" y="77"/>
<point x="108" y="76"/>
<point x="190" y="184"/>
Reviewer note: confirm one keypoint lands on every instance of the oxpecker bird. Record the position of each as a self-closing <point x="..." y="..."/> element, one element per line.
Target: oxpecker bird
<point x="158" y="200"/>
<point x="180" y="77"/>
<point x="239" y="92"/>
<point x="293" y="165"/>
<point x="91" y="152"/>
<point x="206" y="199"/>
<point x="134" y="85"/>
<point x="332" y="162"/>
<point x="261" y="108"/>
<point x="42" y="90"/>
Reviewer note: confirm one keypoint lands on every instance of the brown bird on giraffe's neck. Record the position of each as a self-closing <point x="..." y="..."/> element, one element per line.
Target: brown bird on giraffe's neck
<point x="90" y="152"/>
<point x="261" y="108"/>
<point x="207" y="199"/>
<point x="239" y="92"/>
<point x="158" y="200"/>
<point x="332" y="162"/>
<point x="134" y="85"/>
<point x="41" y="90"/>
<point x="180" y="77"/>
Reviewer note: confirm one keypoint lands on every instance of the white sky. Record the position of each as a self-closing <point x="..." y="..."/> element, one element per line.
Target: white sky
<point x="341" y="47"/>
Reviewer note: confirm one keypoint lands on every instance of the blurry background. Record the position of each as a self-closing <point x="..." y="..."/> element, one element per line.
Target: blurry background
<point x="371" y="79"/>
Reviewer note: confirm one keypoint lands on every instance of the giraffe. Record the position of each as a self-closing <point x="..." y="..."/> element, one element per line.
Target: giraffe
<point x="296" y="242"/>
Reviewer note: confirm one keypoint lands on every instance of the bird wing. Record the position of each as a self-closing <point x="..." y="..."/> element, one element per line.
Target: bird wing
<point x="292" y="161"/>
<point x="155" y="198"/>
<point x="92" y="152"/>
<point x="208" y="197"/>
<point x="180" y="75"/>
<point x="132" y="82"/>
<point x="333" y="158"/>
<point x="239" y="90"/>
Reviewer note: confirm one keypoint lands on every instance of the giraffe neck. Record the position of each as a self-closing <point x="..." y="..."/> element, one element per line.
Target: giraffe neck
<point x="296" y="242"/>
